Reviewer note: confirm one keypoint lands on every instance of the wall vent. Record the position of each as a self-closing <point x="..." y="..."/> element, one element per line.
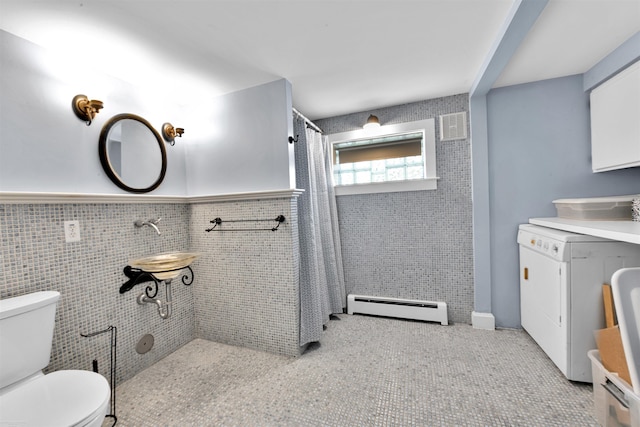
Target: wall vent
<point x="453" y="126"/>
<point x="395" y="307"/>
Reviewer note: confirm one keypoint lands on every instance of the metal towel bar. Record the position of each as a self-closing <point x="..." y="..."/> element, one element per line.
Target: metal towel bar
<point x="218" y="221"/>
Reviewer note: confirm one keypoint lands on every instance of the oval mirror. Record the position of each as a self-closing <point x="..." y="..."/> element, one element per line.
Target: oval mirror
<point x="132" y="153"/>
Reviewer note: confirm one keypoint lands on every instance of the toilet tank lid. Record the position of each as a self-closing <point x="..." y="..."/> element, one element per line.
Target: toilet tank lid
<point x="17" y="305"/>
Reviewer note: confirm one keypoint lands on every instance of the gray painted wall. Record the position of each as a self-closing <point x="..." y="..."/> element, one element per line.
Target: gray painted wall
<point x="413" y="244"/>
<point x="539" y="150"/>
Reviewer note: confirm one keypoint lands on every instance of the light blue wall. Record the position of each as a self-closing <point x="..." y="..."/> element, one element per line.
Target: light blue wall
<point x="539" y="150"/>
<point x="494" y="291"/>
<point x="246" y="146"/>
<point x="522" y="16"/>
<point x="44" y="147"/>
<point x="626" y="54"/>
<point x="233" y="143"/>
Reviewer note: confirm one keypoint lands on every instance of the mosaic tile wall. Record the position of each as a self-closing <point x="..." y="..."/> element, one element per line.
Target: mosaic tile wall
<point x="412" y="244"/>
<point x="250" y="297"/>
<point x="88" y="274"/>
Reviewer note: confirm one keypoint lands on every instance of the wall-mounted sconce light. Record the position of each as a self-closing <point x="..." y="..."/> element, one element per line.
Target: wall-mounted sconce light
<point x="372" y="122"/>
<point x="85" y="108"/>
<point x="170" y="133"/>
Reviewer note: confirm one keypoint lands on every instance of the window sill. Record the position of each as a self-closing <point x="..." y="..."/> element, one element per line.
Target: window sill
<point x="387" y="187"/>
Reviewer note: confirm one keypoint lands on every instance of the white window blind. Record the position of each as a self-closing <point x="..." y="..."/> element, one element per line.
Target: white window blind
<point x="397" y="157"/>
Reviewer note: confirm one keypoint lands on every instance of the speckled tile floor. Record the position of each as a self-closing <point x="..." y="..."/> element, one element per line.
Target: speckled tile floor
<point x="367" y="371"/>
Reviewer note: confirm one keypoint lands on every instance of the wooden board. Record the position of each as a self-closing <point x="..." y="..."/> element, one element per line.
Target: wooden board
<point x="609" y="311"/>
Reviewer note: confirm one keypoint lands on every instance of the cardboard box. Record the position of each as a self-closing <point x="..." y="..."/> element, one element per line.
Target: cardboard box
<point x="609" y="340"/>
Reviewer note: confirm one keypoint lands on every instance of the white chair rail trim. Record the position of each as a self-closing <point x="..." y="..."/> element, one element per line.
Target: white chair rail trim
<point x="11" y="197"/>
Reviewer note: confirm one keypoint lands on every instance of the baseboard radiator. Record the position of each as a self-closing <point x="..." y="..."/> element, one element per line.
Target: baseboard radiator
<point x="395" y="307"/>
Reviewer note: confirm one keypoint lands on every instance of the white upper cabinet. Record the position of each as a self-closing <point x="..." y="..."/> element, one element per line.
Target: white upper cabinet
<point x="615" y="121"/>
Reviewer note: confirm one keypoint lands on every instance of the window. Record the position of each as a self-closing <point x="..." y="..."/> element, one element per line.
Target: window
<point x="395" y="158"/>
<point x="381" y="159"/>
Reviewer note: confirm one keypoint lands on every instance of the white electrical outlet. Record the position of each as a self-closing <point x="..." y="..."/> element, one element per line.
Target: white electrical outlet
<point x="72" y="231"/>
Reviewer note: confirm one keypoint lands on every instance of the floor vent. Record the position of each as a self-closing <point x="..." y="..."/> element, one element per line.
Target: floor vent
<point x="396" y="307"/>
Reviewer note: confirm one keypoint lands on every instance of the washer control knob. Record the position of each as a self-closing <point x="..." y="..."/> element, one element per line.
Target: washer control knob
<point x="554" y="248"/>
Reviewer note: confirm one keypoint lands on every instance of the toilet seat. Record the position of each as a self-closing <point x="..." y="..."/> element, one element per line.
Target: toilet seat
<point x="61" y="398"/>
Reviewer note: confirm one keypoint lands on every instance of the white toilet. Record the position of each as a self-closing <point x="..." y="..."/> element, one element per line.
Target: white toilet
<point x="28" y="397"/>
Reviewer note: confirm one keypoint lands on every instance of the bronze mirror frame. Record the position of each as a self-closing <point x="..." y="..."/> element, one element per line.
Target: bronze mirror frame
<point x="104" y="155"/>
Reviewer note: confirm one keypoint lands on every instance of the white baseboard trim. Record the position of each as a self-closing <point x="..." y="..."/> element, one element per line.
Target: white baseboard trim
<point x="483" y="321"/>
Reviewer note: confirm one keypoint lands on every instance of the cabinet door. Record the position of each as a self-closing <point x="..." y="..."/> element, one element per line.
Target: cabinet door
<point x="615" y="123"/>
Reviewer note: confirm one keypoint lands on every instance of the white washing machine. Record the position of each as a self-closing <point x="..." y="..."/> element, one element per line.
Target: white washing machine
<point x="561" y="277"/>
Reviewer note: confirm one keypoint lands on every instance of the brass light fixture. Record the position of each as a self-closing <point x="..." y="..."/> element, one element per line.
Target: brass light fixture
<point x="372" y="122"/>
<point x="85" y="108"/>
<point x="170" y="133"/>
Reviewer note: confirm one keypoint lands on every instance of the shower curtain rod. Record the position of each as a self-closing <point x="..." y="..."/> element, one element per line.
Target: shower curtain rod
<point x="307" y="121"/>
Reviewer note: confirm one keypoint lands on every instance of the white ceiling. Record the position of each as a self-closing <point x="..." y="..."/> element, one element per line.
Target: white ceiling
<point x="340" y="56"/>
<point x="570" y="37"/>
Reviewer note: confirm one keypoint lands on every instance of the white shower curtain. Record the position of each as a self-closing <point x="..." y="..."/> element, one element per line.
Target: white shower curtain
<point x="322" y="290"/>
